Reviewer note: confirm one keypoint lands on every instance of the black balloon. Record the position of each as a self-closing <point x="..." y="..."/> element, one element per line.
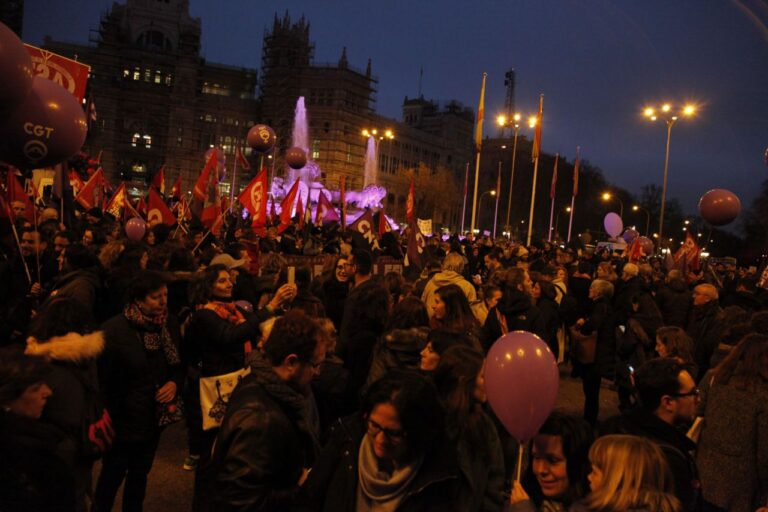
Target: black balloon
<point x="15" y="69"/>
<point x="261" y="138"/>
<point x="48" y="127"/>
<point x="296" y="158"/>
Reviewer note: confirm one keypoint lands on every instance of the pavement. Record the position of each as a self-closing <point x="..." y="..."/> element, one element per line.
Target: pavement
<point x="170" y="487"/>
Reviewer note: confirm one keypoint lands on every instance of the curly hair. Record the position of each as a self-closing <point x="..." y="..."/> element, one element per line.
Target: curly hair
<point x="294" y="333"/>
<point x="201" y="287"/>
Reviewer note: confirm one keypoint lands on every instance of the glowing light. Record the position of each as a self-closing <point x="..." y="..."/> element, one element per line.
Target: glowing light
<point x="689" y="110"/>
<point x="508" y="356"/>
<point x="501" y="120"/>
<point x="648" y="112"/>
<point x="635" y="208"/>
<point x="606" y="196"/>
<point x="666" y="107"/>
<point x="517" y="117"/>
<point x="533" y="121"/>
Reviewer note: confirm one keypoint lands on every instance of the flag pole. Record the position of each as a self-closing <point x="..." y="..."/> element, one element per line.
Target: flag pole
<point x="575" y="190"/>
<point x="570" y="219"/>
<point x="478" y="143"/>
<point x="552" y="198"/>
<point x="535" y="173"/>
<point x="464" y="207"/>
<point x="16" y="237"/>
<point x="232" y="186"/>
<point x="498" y="194"/>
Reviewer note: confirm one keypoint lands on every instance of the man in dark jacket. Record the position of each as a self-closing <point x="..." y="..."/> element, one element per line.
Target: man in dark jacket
<point x="266" y="444"/>
<point x="674" y="300"/>
<point x="668" y="397"/>
<point x="705" y="326"/>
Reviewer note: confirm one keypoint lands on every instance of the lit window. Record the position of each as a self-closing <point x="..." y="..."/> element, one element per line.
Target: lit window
<point x="126" y="73"/>
<point x="315" y="149"/>
<point x="158" y="77"/>
<point x="136" y="74"/>
<point x="135" y="139"/>
<point x="147" y="75"/>
<point x="147" y="141"/>
<point x="168" y="79"/>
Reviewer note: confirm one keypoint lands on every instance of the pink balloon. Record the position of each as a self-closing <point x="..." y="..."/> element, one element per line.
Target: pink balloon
<point x="719" y="207"/>
<point x="613" y="224"/>
<point x="135" y="229"/>
<point x="15" y="68"/>
<point x="48" y="127"/>
<point x="521" y="379"/>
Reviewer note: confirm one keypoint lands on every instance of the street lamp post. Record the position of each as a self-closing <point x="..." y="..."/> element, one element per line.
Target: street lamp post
<point x="647" y="217"/>
<point x="504" y="122"/>
<point x="607" y="196"/>
<point x="666" y="112"/>
<point x="557" y="218"/>
<point x="480" y="203"/>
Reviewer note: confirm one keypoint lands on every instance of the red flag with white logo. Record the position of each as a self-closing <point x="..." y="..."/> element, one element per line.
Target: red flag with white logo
<point x="254" y="198"/>
<point x="89" y="194"/>
<point x="158" y="211"/>
<point x="325" y="212"/>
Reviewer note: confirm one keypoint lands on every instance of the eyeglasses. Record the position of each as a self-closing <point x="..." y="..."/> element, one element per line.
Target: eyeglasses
<point x="395" y="436"/>
<point x="693" y="392"/>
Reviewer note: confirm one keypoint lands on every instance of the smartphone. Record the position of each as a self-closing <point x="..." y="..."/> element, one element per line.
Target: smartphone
<point x="631" y="369"/>
<point x="622" y="329"/>
<point x="291" y="275"/>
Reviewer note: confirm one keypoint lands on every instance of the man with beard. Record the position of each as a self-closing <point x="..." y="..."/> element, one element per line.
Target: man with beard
<point x="266" y="442"/>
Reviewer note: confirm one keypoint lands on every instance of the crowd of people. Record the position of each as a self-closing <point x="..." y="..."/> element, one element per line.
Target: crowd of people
<point x="350" y="390"/>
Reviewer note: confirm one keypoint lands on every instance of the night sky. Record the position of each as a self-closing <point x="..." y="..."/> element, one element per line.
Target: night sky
<point x="598" y="63"/>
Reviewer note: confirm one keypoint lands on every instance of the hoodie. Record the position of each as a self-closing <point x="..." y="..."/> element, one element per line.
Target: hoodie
<point x="444" y="278"/>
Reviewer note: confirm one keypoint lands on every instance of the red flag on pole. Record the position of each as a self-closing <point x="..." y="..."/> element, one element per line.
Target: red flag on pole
<point x="384" y="226"/>
<point x="241" y="161"/>
<point x="176" y="190"/>
<point x="325" y="211"/>
<point x="576" y="174"/>
<point x="536" y="150"/>
<point x="117" y="202"/>
<point x="286" y="207"/>
<point x="343" y="205"/>
<point x="364" y="225"/>
<point x="480" y="116"/>
<point x="415" y="246"/>
<point x="158" y="180"/>
<point x="17" y="193"/>
<point x="409" y="214"/>
<point x="87" y="195"/>
<point x="76" y="182"/>
<point x="158" y="211"/>
<point x="688" y="253"/>
<point x="200" y="192"/>
<point x="254" y="198"/>
<point x="141" y="207"/>
<point x="300" y="212"/>
<point x="554" y="177"/>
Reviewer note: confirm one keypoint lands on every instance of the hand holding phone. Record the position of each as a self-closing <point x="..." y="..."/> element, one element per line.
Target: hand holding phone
<point x="291" y="275"/>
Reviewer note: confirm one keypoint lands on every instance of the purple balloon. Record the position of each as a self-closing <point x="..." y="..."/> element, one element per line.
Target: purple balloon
<point x="719" y="206"/>
<point x="613" y="224"/>
<point x="244" y="305"/>
<point x="135" y="229"/>
<point x="630" y="235"/>
<point x="521" y="379"/>
<point x="646" y="244"/>
<point x="15" y="68"/>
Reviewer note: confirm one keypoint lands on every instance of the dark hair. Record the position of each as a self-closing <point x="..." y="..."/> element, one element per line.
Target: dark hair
<point x="144" y="283"/>
<point x="294" y="333"/>
<point x="370" y="307"/>
<point x="759" y="321"/>
<point x="161" y="231"/>
<point x="513" y="280"/>
<point x="18" y="372"/>
<point x="60" y="316"/>
<point x="393" y="282"/>
<point x="201" y="288"/>
<point x="656" y="378"/>
<point x="455" y="378"/>
<point x="494" y="253"/>
<point x="576" y="437"/>
<point x="547" y="289"/>
<point x="69" y="235"/>
<point x="409" y="312"/>
<point x="418" y="408"/>
<point x="181" y="259"/>
<point x="302" y="277"/>
<point x="458" y="314"/>
<point x="130" y="258"/>
<point x="677" y="342"/>
<point x="746" y="363"/>
<point x="443" y="339"/>
<point x="363" y="261"/>
<point x="78" y="257"/>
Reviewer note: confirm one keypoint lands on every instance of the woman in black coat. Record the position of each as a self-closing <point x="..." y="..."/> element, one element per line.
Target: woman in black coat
<point x="544" y="297"/>
<point x="335" y="290"/>
<point x="392" y="456"/>
<point x="515" y="311"/>
<point x="600" y="320"/>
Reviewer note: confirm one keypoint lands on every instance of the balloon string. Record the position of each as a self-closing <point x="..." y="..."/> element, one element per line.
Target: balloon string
<point x="521" y="448"/>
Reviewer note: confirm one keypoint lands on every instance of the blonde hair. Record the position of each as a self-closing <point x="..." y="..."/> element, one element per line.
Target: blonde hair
<point x="635" y="475"/>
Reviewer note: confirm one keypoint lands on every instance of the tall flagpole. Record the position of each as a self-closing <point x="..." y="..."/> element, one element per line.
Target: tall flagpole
<point x="498" y="194"/>
<point x="536" y="150"/>
<point x="575" y="191"/>
<point x="464" y="208"/>
<point x="552" y="197"/>
<point x="232" y="186"/>
<point x="478" y="143"/>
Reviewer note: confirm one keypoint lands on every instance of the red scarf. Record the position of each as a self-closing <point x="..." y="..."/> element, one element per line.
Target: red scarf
<point x="228" y="311"/>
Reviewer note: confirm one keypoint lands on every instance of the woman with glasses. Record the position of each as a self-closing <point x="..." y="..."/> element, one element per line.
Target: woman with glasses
<point x="394" y="456"/>
<point x="733" y="449"/>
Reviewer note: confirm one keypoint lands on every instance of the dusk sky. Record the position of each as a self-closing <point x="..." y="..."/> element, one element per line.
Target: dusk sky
<point x="597" y="62"/>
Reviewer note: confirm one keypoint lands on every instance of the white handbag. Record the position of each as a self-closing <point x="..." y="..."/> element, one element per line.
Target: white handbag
<point x="214" y="396"/>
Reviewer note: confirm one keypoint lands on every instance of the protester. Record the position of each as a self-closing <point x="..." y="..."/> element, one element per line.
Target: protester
<point x="334" y="291"/>
<point x="451" y="273"/>
<point x="705" y="326"/>
<point x="451" y="311"/>
<point x="515" y="311"/>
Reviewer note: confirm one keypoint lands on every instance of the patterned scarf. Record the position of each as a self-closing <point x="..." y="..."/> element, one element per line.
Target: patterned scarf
<point x="153" y="331"/>
<point x="229" y="311"/>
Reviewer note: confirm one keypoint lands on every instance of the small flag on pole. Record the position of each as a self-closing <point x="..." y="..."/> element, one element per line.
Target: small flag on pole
<point x="480" y="116"/>
<point x="536" y="150"/>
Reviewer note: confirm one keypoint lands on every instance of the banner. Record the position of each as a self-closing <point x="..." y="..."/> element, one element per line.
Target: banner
<point x="68" y="73"/>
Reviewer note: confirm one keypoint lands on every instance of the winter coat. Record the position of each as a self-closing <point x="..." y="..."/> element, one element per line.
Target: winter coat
<point x="483" y="472"/>
<point x="733" y="448"/>
<point x="332" y="484"/>
<point x="602" y="320"/>
<point x="262" y="447"/>
<point x="35" y="470"/>
<point x="81" y="286"/>
<point x="677" y="449"/>
<point x="129" y="376"/>
<point x="333" y="297"/>
<point x="520" y="314"/>
<point x="705" y="329"/>
<point x="622" y="298"/>
<point x="445" y="278"/>
<point x="550" y="313"/>
<point x="675" y="302"/>
<point x="398" y="349"/>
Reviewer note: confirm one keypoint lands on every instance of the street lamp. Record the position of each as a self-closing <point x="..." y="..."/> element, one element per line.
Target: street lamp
<point x="480" y="201"/>
<point x="647" y="217"/>
<point x="504" y="122"/>
<point x="567" y="209"/>
<point x="666" y="112"/>
<point x="607" y="196"/>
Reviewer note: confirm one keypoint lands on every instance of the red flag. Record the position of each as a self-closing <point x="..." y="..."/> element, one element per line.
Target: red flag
<point x="217" y="224"/>
<point x="480" y="116"/>
<point x="364" y="225"/>
<point x="635" y="251"/>
<point x="254" y="198"/>
<point x="343" y="205"/>
<point x="158" y="180"/>
<point x="240" y="159"/>
<point x="286" y="207"/>
<point x="576" y="174"/>
<point x="87" y="195"/>
<point x="272" y="212"/>
<point x="130" y="212"/>
<point x="325" y="211"/>
<point x="409" y="214"/>
<point x="536" y="149"/>
<point x="117" y="202"/>
<point x="200" y="192"/>
<point x="384" y="226"/>
<point x="176" y="190"/>
<point x="17" y="193"/>
<point x="554" y="177"/>
<point x="158" y="210"/>
<point x="300" y="212"/>
<point x="415" y="246"/>
<point x="182" y="209"/>
<point x="76" y="182"/>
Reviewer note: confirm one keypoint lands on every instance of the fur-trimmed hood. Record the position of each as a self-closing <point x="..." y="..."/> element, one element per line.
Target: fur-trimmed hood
<point x="72" y="347"/>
